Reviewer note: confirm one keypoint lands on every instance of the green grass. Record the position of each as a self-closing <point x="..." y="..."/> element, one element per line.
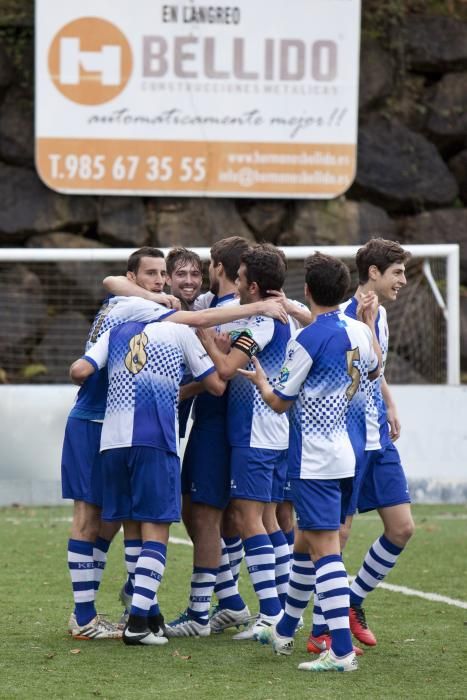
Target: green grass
<point x="421" y="651"/>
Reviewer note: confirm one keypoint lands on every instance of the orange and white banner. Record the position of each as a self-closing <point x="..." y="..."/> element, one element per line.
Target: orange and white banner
<point x="259" y="98"/>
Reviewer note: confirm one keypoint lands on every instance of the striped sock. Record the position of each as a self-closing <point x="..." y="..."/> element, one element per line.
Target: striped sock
<point x="377" y="563"/>
<point x="234" y="547"/>
<point x="260" y="561"/>
<point x="290" y="537"/>
<point x="99" y="553"/>
<point x="202" y="586"/>
<point x="81" y="566"/>
<point x="132" y="552"/>
<point x="148" y="575"/>
<point x="332" y="588"/>
<point x="319" y="623"/>
<point x="282" y="557"/>
<point x="300" y="588"/>
<point x="226" y="588"/>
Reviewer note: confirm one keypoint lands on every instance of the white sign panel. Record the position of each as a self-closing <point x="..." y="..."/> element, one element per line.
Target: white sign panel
<point x="143" y="97"/>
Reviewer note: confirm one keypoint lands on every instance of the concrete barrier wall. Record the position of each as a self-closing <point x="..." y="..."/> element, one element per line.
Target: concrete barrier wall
<point x="433" y="444"/>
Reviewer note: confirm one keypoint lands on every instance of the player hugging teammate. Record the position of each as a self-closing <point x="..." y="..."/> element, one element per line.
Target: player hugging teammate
<point x="308" y="418"/>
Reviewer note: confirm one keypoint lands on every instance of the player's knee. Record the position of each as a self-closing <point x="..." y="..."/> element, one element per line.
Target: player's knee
<point x="400" y="533"/>
<point x="205" y="518"/>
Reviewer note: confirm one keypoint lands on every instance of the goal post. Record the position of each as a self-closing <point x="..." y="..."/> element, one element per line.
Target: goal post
<point x="63" y="290"/>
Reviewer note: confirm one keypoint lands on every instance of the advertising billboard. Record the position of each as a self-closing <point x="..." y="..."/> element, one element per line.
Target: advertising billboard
<point x="256" y="99"/>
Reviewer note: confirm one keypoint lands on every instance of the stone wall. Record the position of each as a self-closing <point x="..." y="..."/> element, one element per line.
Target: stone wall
<point x="411" y="182"/>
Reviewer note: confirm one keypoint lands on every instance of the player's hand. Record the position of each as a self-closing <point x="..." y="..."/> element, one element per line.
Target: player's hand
<point x="206" y="336"/>
<point x="394" y="424"/>
<point x="367" y="309"/>
<point x="257" y="376"/>
<point x="222" y="340"/>
<point x="168" y="300"/>
<point x="274" y="308"/>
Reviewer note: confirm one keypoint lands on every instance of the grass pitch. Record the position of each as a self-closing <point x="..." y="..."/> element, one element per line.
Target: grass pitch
<point x="421" y="651"/>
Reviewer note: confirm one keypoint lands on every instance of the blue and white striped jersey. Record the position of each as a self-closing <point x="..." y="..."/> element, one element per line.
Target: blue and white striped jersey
<point x="376" y="419"/>
<point x="250" y="421"/>
<point x="145" y="364"/>
<point x="91" y="399"/>
<point x="325" y="370"/>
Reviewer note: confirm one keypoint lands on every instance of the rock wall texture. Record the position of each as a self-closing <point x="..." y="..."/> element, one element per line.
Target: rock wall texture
<point x="411" y="183"/>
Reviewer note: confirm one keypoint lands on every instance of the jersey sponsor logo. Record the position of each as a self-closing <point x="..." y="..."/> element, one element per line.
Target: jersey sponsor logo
<point x="136" y="357"/>
<point x="283" y="376"/>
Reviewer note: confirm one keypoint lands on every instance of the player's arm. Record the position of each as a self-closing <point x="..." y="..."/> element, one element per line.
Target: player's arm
<point x="367" y="311"/>
<point x="299" y="312"/>
<point x="213" y="383"/>
<point x="219" y="315"/>
<point x="80" y="370"/>
<point x="93" y="360"/>
<point x="240" y="353"/>
<point x="200" y="364"/>
<point x="393" y="418"/>
<point x="188" y="391"/>
<point x="259" y="379"/>
<point x="121" y="286"/>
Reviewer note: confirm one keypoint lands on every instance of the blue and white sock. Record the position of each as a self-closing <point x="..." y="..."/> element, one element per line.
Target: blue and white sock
<point x="99" y="553"/>
<point x="132" y="552"/>
<point x="377" y="563"/>
<point x="282" y="568"/>
<point x="319" y="623"/>
<point x="81" y="567"/>
<point x="300" y="588"/>
<point x="226" y="588"/>
<point x="260" y="561"/>
<point x="202" y="585"/>
<point x="290" y="537"/>
<point x="234" y="547"/>
<point x="148" y="576"/>
<point x="332" y="588"/>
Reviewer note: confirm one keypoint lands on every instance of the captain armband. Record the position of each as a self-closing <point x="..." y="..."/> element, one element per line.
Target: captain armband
<point x="246" y="344"/>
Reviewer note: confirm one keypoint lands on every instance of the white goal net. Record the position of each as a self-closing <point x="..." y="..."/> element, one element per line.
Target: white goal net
<point x="49" y="298"/>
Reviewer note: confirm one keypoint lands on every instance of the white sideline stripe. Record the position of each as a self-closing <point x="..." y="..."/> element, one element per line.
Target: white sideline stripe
<point x="435" y="597"/>
<point x="179" y="540"/>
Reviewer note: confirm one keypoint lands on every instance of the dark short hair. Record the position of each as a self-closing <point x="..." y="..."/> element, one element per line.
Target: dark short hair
<point x="229" y="251"/>
<point x="379" y="252"/>
<point x="145" y="252"/>
<point x="327" y="279"/>
<point x="176" y="257"/>
<point x="265" y="266"/>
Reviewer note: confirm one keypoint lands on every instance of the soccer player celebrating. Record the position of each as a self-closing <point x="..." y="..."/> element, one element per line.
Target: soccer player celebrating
<point x="81" y="481"/>
<point x="381" y="482"/>
<point x="139" y="446"/>
<point x="258" y="437"/>
<point x="325" y="364"/>
<point x="206" y="477"/>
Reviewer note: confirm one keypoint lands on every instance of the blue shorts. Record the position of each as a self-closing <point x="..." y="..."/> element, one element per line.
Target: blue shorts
<point x="81" y="461"/>
<point x="141" y="483"/>
<point x="383" y="483"/>
<point x="206" y="468"/>
<point x="257" y="474"/>
<point x="321" y="504"/>
<point x="287" y="490"/>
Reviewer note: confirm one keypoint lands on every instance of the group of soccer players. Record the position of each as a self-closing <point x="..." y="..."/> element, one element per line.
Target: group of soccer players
<point x="290" y="413"/>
